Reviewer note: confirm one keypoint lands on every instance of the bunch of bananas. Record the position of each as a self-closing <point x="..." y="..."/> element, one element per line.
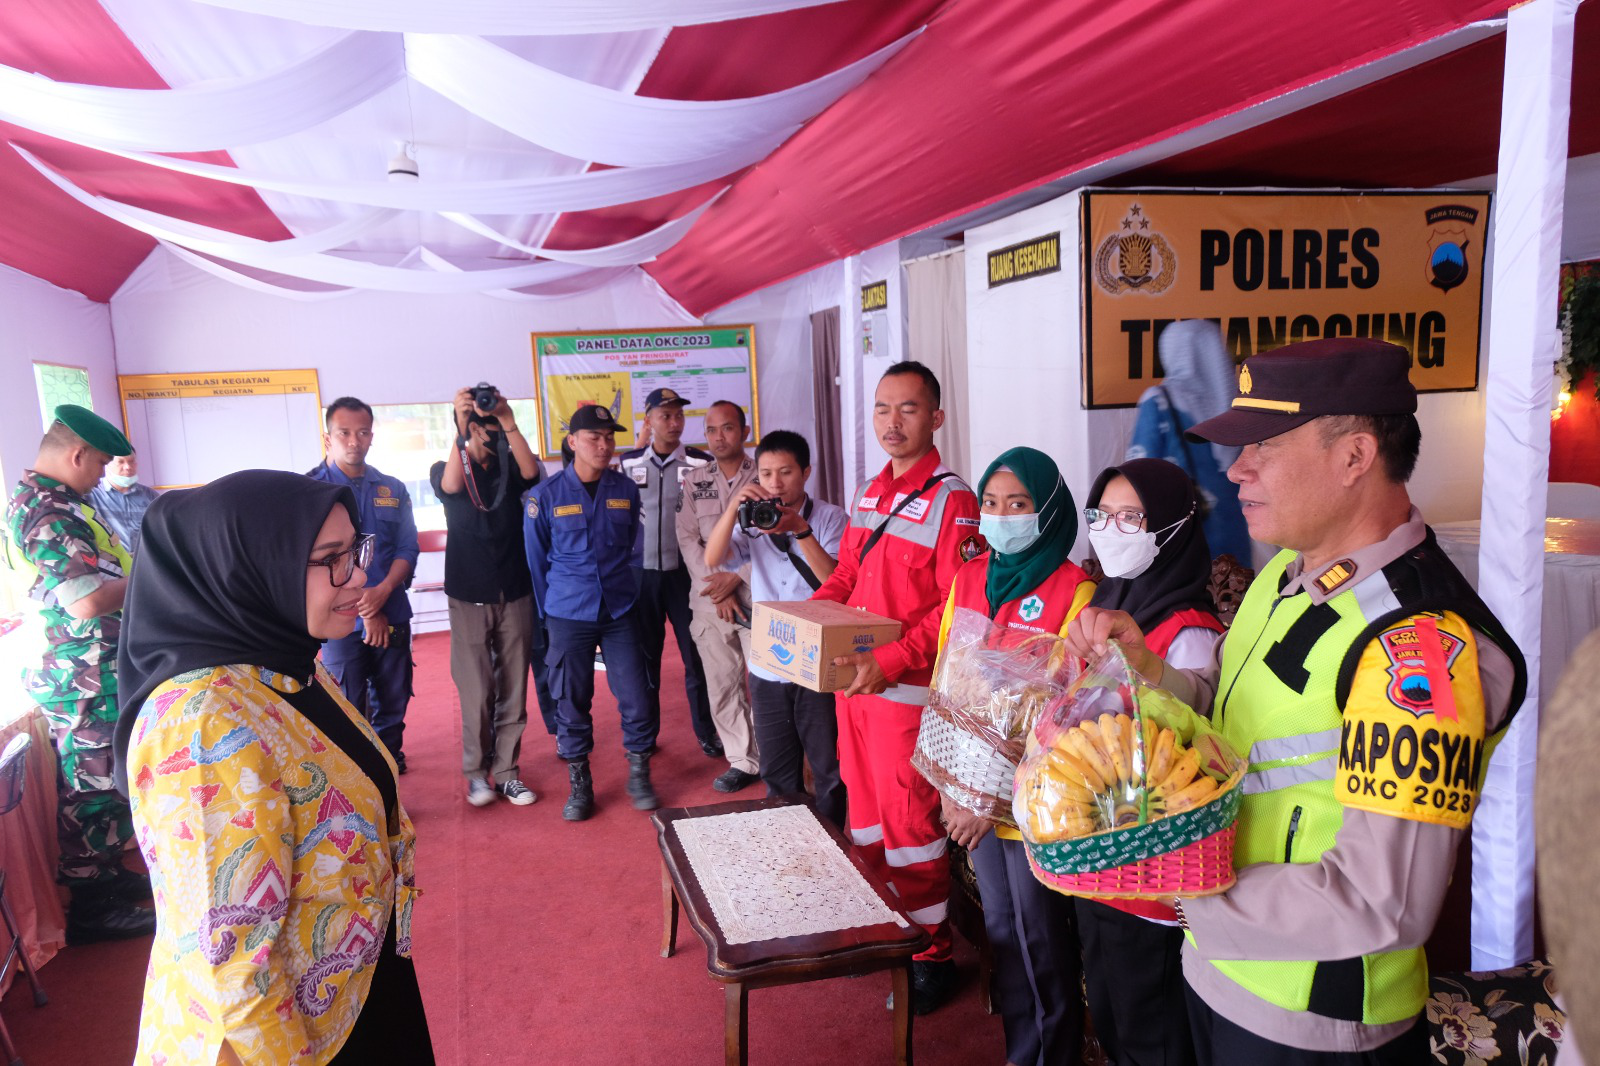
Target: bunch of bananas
<point x="1098" y="776"/>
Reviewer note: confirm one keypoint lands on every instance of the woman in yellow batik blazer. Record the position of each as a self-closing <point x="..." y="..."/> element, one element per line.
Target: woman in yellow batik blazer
<point x="264" y="804"/>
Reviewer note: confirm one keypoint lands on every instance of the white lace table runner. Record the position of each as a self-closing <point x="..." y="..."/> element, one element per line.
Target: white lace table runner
<point x="777" y="873"/>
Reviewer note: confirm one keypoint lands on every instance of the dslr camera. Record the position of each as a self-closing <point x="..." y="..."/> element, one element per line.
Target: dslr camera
<point x="759" y="514"/>
<point x="485" y="397"/>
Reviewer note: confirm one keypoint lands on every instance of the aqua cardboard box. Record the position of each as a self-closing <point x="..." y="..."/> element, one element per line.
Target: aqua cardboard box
<point x="799" y="641"/>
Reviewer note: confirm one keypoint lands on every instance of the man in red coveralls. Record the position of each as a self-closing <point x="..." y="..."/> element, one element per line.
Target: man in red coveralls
<point x="911" y="528"/>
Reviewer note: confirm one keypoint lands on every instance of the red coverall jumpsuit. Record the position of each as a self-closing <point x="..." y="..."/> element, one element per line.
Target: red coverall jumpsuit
<point x="893" y="811"/>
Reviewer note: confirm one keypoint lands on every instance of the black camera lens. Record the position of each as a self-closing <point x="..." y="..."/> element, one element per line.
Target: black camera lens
<point x="485" y="397"/>
<point x="759" y="514"/>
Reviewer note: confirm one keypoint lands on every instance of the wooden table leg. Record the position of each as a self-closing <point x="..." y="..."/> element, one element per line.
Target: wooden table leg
<point x="902" y="1014"/>
<point x="669" y="914"/>
<point x="736" y="1026"/>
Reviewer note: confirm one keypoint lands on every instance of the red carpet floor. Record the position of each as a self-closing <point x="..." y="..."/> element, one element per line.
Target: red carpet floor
<point x="537" y="940"/>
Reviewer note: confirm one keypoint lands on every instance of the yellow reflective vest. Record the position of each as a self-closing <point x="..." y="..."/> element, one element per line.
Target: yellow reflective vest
<point x="1288" y="666"/>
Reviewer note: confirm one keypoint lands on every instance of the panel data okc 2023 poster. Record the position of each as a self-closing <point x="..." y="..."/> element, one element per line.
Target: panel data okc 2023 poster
<point x="619" y="370"/>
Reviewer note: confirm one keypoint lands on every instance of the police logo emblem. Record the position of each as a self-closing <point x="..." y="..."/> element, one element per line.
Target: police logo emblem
<point x="533" y="507"/>
<point x="1447" y="244"/>
<point x="1135" y="258"/>
<point x="1410" y="682"/>
<point x="1031" y="609"/>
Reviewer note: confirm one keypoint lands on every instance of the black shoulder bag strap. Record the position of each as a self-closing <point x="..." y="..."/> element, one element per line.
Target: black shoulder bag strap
<point x="794" y="557"/>
<point x="877" y="534"/>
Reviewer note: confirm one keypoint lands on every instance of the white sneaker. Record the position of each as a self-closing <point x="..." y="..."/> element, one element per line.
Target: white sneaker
<point x="479" y="792"/>
<point x="516" y="792"/>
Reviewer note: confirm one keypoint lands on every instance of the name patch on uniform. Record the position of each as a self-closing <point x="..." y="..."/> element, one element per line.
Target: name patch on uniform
<point x="967" y="522"/>
<point x="1413" y="740"/>
<point x="868" y="503"/>
<point x="568" y="508"/>
<point x="616" y="505"/>
<point x="385" y="501"/>
<point x="915" y="511"/>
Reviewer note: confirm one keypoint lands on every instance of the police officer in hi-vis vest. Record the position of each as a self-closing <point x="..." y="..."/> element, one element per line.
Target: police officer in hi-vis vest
<point x="1365" y="682"/>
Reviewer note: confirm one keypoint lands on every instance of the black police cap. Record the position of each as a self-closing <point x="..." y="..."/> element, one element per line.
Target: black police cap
<point x="1282" y="389"/>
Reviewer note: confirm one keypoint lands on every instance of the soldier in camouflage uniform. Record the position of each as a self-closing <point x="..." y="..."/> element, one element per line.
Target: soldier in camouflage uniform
<point x="78" y="579"/>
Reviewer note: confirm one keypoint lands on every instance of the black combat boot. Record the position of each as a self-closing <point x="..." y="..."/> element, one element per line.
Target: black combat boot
<point x="96" y="913"/>
<point x="640" y="790"/>
<point x="580" y="802"/>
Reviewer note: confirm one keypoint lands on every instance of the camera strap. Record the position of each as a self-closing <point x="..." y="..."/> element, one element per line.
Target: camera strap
<point x="794" y="557"/>
<point x="502" y="450"/>
<point x="877" y="534"/>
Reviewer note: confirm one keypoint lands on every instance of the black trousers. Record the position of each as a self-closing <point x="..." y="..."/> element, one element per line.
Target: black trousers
<point x="1036" y="961"/>
<point x="664" y="597"/>
<point x="1218" y="1042"/>
<point x="792" y="722"/>
<point x="1133" y="974"/>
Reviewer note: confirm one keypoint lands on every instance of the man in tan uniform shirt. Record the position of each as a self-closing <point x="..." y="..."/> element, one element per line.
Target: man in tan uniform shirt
<point x="720" y="598"/>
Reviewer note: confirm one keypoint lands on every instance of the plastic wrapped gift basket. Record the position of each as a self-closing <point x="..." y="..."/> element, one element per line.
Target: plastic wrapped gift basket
<point x="1123" y="791"/>
<point x="989" y="687"/>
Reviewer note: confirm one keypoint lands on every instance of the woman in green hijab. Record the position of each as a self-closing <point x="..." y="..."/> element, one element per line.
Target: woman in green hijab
<point x="1024" y="581"/>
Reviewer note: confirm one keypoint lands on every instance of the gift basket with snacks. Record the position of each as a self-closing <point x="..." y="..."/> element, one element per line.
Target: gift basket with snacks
<point x="989" y="687"/>
<point x="1124" y="791"/>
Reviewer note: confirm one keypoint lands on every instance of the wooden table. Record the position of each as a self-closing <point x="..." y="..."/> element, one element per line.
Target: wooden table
<point x="789" y="959"/>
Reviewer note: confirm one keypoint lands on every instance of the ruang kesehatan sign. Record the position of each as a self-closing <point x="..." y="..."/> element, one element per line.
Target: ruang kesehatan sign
<point x="1273" y="268"/>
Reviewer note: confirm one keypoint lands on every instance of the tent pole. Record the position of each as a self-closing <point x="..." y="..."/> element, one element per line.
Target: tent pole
<point x="1524" y="342"/>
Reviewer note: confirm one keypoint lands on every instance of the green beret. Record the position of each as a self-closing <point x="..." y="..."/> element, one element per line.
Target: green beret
<point x="95" y="431"/>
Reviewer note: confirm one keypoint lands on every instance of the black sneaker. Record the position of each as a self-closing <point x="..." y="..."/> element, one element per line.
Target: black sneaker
<point x="132" y="887"/>
<point x="932" y="985"/>
<point x="712" y="748"/>
<point x="88" y="924"/>
<point x="517" y="792"/>
<point x="733" y="779"/>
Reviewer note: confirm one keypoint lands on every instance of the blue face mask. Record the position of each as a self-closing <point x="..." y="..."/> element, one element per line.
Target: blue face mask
<point x="1011" y="534"/>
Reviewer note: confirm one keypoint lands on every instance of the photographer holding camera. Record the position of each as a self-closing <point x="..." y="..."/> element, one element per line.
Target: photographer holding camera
<point x="789" y="541"/>
<point x="486" y="579"/>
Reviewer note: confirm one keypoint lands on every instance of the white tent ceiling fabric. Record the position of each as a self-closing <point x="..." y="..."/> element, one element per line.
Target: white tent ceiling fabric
<point x="198" y="118"/>
<point x="588" y="121"/>
<point x="548" y="17"/>
<point x="504" y="130"/>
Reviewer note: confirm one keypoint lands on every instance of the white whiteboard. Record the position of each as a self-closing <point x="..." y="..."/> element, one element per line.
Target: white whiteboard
<point x="190" y="429"/>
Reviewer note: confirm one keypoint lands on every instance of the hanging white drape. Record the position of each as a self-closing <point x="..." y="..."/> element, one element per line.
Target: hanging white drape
<point x="577" y="285"/>
<point x="514" y="196"/>
<point x="512" y="17"/>
<point x="608" y="126"/>
<point x="1523" y="344"/>
<point x="239" y="276"/>
<point x="211" y="115"/>
<point x="237" y="250"/>
<point x="631" y="252"/>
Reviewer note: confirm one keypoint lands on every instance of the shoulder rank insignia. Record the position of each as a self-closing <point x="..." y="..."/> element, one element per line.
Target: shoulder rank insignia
<point x="1335" y="575"/>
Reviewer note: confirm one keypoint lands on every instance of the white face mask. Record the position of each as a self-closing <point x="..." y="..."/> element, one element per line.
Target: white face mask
<point x="1128" y="554"/>
<point x="1010" y="534"/>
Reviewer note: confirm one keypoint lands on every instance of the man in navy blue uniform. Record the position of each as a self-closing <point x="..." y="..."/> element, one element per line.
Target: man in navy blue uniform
<point x="373" y="665"/>
<point x="584" y="539"/>
<point x="658" y="470"/>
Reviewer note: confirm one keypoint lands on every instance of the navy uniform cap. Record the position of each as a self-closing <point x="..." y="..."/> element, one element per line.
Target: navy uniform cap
<point x="95" y="431"/>
<point x="1288" y="387"/>
<point x="593" y="416"/>
<point x="663" y="398"/>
